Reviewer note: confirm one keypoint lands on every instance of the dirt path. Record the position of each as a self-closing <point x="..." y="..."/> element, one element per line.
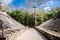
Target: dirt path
<point x="31" y="34"/>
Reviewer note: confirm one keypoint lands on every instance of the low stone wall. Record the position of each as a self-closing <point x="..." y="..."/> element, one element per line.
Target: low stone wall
<point x="15" y="35"/>
<point x="49" y="36"/>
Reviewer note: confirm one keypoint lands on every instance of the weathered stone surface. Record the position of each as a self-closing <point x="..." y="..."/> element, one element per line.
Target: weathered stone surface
<point x="9" y="24"/>
<point x="53" y="24"/>
<point x="16" y="31"/>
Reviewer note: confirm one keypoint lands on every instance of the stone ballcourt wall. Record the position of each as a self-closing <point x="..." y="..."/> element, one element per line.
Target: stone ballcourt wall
<point x="8" y="21"/>
<point x="15" y="35"/>
<point x="49" y="34"/>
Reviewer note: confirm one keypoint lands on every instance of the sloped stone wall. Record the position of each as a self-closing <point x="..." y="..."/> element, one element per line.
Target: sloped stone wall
<point x="48" y="35"/>
<point x="12" y="28"/>
<point x="16" y="34"/>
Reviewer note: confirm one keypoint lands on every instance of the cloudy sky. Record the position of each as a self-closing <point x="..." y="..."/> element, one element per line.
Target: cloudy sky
<point x="21" y="4"/>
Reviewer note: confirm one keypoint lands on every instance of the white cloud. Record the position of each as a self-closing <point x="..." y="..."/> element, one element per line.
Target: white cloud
<point x="4" y="3"/>
<point x="51" y="2"/>
<point x="7" y="1"/>
<point x="47" y="8"/>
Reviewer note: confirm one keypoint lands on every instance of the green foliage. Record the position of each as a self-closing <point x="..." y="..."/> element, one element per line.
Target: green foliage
<point x="29" y="19"/>
<point x="0" y="5"/>
<point x="52" y="12"/>
<point x="24" y="18"/>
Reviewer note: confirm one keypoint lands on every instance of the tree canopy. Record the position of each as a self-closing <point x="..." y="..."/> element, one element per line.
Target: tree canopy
<point x="29" y="20"/>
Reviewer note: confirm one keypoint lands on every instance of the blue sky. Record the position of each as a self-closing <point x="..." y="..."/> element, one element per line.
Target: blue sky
<point x="20" y="4"/>
<point x="17" y="3"/>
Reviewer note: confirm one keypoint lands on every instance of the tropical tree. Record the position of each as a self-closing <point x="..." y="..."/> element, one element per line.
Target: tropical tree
<point x="34" y="4"/>
<point x="28" y="19"/>
<point x="52" y="12"/>
<point x="32" y="19"/>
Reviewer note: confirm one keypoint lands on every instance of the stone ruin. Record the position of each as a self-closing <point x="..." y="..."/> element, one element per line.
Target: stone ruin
<point x="53" y="23"/>
<point x="11" y="27"/>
